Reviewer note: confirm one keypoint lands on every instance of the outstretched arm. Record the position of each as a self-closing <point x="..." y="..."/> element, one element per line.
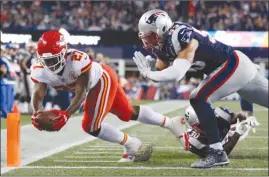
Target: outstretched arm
<point x="80" y="93"/>
<point x="175" y="72"/>
<point x="240" y="129"/>
<point x="38" y="96"/>
<point x="228" y="147"/>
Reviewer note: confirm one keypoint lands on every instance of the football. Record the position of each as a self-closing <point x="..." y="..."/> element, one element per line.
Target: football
<point x="45" y="120"/>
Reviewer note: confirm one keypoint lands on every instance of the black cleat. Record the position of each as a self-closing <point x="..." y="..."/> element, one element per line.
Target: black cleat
<point x="214" y="157"/>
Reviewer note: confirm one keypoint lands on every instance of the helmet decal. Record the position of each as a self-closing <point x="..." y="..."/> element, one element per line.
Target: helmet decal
<point x="153" y="17"/>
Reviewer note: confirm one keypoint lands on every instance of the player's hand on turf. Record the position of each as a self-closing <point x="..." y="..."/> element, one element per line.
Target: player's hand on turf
<point x="61" y="119"/>
<point x="143" y="63"/>
<point x="33" y="118"/>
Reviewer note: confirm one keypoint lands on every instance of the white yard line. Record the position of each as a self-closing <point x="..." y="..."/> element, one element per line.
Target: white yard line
<point x="109" y="150"/>
<point x="100" y="149"/>
<point x="91" y="157"/>
<point x="141" y="168"/>
<point x="180" y="148"/>
<point x="86" y="161"/>
<point x="98" y="152"/>
<point x="257" y="137"/>
<point x="66" y="139"/>
<point x="260" y="109"/>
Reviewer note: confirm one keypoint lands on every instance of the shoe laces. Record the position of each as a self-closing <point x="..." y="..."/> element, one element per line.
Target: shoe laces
<point x="211" y="156"/>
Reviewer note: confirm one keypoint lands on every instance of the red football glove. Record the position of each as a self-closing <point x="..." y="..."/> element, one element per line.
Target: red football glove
<point x="61" y="119"/>
<point x="35" y="124"/>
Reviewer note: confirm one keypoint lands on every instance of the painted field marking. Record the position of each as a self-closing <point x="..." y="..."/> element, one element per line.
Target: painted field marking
<point x="260" y="109"/>
<point x="257" y="137"/>
<point x="92" y="157"/>
<point x="140" y="168"/>
<point x="100" y="152"/>
<point x="86" y="161"/>
<point x="180" y="148"/>
<point x="99" y="149"/>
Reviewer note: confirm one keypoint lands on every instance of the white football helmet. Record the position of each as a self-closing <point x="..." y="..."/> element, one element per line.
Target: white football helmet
<point x="152" y="26"/>
<point x="220" y="112"/>
<point x="191" y="116"/>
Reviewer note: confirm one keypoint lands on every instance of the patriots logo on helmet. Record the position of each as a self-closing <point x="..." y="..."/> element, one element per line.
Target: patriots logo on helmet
<point x="153" y="17"/>
<point x="187" y="116"/>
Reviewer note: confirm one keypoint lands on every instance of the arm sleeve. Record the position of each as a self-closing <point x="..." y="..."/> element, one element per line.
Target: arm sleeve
<point x="174" y="72"/>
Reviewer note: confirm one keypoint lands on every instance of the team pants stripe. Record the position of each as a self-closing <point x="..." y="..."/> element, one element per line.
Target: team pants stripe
<point x="219" y="78"/>
<point x="101" y="114"/>
<point x="100" y="104"/>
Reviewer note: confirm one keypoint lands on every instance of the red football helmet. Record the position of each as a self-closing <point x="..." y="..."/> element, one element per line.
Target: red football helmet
<point x="51" y="50"/>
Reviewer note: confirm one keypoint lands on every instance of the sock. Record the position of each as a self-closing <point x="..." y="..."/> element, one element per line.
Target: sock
<point x="148" y="116"/>
<point x="207" y="119"/>
<point x="111" y="134"/>
<point x="216" y="146"/>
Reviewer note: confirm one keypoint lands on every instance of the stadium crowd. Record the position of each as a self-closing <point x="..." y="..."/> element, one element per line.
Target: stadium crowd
<point x="124" y="15"/>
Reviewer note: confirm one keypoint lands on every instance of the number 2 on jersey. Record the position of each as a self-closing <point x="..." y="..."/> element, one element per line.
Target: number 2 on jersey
<point x="76" y="55"/>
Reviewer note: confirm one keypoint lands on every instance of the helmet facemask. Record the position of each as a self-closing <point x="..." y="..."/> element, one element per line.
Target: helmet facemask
<point x="151" y="40"/>
<point x="55" y="63"/>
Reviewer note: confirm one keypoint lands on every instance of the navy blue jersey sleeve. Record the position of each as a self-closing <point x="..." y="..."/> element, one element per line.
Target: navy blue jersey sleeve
<point x="181" y="37"/>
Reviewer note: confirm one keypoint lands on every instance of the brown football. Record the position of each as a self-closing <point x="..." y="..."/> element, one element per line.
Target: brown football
<point x="45" y="120"/>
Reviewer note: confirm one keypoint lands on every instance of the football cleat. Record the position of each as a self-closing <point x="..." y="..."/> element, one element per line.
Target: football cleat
<point x="214" y="157"/>
<point x="135" y="152"/>
<point x="130" y="150"/>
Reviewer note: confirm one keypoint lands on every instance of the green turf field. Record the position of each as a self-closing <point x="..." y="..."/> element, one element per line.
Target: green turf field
<point x="98" y="158"/>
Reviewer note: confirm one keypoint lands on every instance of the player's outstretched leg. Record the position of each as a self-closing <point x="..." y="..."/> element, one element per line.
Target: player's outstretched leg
<point x="144" y="114"/>
<point x="176" y="125"/>
<point x="109" y="133"/>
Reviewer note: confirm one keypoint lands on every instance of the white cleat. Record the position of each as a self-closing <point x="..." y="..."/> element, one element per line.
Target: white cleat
<point x="177" y="126"/>
<point x="130" y="150"/>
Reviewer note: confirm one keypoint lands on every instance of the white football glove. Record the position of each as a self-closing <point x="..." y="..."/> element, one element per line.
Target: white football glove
<point x="143" y="63"/>
<point x="253" y="123"/>
<point x="242" y="127"/>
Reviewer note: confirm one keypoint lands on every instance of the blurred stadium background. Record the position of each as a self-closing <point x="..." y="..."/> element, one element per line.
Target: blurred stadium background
<point x="107" y="31"/>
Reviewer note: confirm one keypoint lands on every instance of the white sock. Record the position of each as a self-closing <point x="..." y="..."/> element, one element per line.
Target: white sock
<point x="112" y="134"/>
<point x="148" y="116"/>
<point x="216" y="146"/>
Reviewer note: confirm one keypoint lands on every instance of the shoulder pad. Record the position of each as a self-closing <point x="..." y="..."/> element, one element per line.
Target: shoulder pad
<point x="181" y="36"/>
<point x="81" y="60"/>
